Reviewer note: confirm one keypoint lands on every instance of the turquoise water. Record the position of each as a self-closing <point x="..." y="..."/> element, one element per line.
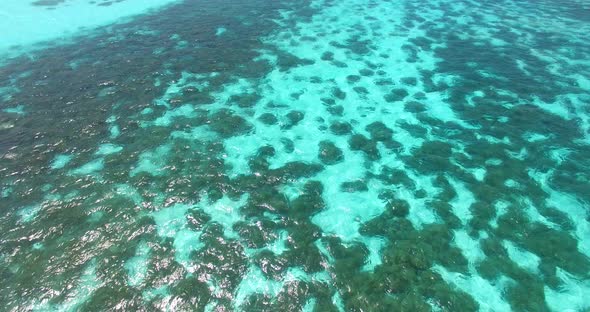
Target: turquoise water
<point x="350" y="155"/>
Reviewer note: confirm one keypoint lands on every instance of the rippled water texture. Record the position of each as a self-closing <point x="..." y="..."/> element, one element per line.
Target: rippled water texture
<point x="323" y="155"/>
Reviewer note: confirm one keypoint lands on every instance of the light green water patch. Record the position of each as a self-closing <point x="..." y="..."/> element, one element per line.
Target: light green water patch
<point x="96" y="216"/>
<point x="576" y="210"/>
<point x="162" y="292"/>
<point x="220" y="31"/>
<point x="18" y="110"/>
<point x="470" y="247"/>
<point x="11" y="89"/>
<point x="535" y="137"/>
<point x="475" y="95"/>
<point x="172" y="222"/>
<point x="338" y="302"/>
<point x="36" y="24"/>
<point x="114" y="131"/>
<point x="346" y="212"/>
<point x="479" y="173"/>
<point x="27" y="214"/>
<point x="113" y="127"/>
<point x="559" y="155"/>
<point x="46" y="187"/>
<point x="554" y="108"/>
<point x="532" y="213"/>
<point x="439" y="108"/>
<point x="279" y="245"/>
<point x="61" y="161"/>
<point x="571" y="296"/>
<point x="511" y="183"/>
<point x="167" y="119"/>
<point x="224" y="211"/>
<point x="196" y="133"/>
<point x="309" y="305"/>
<point x="52" y="197"/>
<point x="375" y="245"/>
<point x="488" y="295"/>
<point x="493" y="140"/>
<point x="136" y="266"/>
<point x="523" y="258"/>
<point x="89" y="168"/>
<point x="108" y="149"/>
<point x="493" y="162"/>
<point x="130" y="192"/>
<point x="71" y="195"/>
<point x="171" y="219"/>
<point x="501" y="209"/>
<point x="522" y="154"/>
<point x="38" y="246"/>
<point x="462" y="202"/>
<point x="196" y="81"/>
<point x="78" y="293"/>
<point x="152" y="162"/>
<point x="186" y="241"/>
<point x="6" y="191"/>
<point x="419" y="212"/>
<point x="107" y="91"/>
<point x="254" y="282"/>
<point x="147" y="111"/>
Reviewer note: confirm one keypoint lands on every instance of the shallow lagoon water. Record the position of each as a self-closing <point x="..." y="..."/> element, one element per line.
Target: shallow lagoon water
<point x="258" y="155"/>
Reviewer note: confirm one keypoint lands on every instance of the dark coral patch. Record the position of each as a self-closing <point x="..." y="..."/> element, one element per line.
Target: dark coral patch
<point x="359" y="142"/>
<point x="396" y="95"/>
<point x="329" y="153"/>
<point x="227" y="124"/>
<point x="340" y="128"/>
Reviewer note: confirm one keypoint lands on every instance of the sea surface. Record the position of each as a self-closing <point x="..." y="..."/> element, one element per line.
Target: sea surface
<point x="295" y="155"/>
